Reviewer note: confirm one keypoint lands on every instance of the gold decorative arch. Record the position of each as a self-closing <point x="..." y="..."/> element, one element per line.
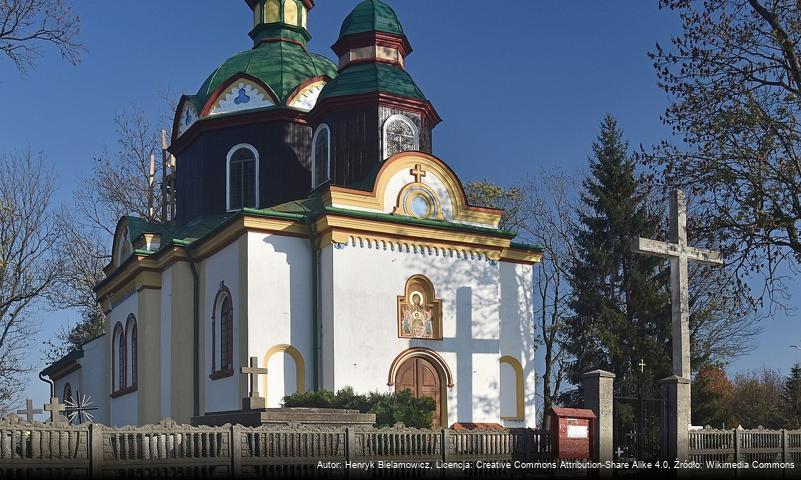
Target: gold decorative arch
<point x="300" y="366"/>
<point x="519" y="384"/>
<point x="426" y="165"/>
<point x="419" y="310"/>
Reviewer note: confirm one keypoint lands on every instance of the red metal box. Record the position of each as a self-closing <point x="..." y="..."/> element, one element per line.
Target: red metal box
<point x="572" y="433"/>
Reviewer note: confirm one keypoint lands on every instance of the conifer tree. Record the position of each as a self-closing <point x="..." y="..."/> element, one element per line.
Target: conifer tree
<point x="792" y="395"/>
<point x="621" y="300"/>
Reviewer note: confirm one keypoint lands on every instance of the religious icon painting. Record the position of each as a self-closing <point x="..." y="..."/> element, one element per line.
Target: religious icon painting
<point x="419" y="311"/>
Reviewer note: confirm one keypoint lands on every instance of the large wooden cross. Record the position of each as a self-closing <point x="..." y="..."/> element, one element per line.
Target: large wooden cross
<point x="680" y="254"/>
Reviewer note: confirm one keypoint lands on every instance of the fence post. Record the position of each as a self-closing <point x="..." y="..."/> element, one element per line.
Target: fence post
<point x="736" y="447"/>
<point x="95" y="451"/>
<point x="599" y="397"/>
<point x="349" y="440"/>
<point x="785" y="446"/>
<point x="444" y="445"/>
<point x="236" y="451"/>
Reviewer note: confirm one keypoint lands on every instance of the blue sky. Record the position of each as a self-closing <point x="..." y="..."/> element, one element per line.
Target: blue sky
<point x="521" y="86"/>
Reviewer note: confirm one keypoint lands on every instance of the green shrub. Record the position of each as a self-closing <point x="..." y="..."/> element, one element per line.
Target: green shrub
<point x="389" y="408"/>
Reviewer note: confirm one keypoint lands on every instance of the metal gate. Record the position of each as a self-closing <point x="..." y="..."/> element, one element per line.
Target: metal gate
<point x="637" y="421"/>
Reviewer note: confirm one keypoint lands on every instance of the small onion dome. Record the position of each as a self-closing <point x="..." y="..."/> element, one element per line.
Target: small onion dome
<point x="371" y="16"/>
<point x="372" y="49"/>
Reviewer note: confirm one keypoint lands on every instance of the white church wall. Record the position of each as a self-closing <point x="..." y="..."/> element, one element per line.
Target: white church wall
<point x="280" y="311"/>
<point x="93" y="381"/>
<point x="221" y="268"/>
<point x="366" y="282"/>
<point x="327" y="317"/>
<point x="123" y="410"/>
<point x="166" y="343"/>
<point x="518" y="332"/>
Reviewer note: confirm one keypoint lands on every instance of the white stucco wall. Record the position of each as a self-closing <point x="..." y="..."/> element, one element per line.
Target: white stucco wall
<point x="166" y="343"/>
<point x="93" y="378"/>
<point x="279" y="309"/>
<point x="123" y="410"/>
<point x="361" y="324"/>
<point x="221" y="268"/>
<point x="518" y="330"/>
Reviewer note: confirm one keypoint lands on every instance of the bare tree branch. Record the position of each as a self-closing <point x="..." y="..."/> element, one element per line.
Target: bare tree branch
<point x="28" y="25"/>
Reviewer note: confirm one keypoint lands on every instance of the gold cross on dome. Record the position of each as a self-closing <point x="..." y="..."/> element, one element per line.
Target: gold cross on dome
<point x="418" y="173"/>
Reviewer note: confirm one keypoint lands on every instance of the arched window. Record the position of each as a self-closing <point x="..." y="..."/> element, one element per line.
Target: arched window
<point x="67" y="393"/>
<point x="131" y="352"/>
<point x="243" y="177"/>
<point x="400" y="135"/>
<point x="291" y="12"/>
<point x="272" y="9"/>
<point x="321" y="156"/>
<point x="222" y="340"/>
<point x="118" y="359"/>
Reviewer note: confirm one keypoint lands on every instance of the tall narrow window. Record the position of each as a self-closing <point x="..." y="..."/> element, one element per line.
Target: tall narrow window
<point x="118" y="359"/>
<point x="321" y="156"/>
<point x="131" y="352"/>
<point x="400" y="135"/>
<point x="226" y="320"/>
<point x="243" y="174"/>
<point x="222" y="334"/>
<point x="67" y="393"/>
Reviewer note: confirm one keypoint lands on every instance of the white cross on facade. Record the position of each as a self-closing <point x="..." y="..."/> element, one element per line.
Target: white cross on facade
<point x="680" y="254"/>
<point x="642" y="365"/>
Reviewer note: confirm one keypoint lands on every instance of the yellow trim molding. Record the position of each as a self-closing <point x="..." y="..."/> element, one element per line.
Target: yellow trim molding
<point x="519" y="390"/>
<point x="374" y="200"/>
<point x="300" y="366"/>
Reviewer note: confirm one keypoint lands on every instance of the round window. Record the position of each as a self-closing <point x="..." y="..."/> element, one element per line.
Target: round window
<point x="420" y="203"/>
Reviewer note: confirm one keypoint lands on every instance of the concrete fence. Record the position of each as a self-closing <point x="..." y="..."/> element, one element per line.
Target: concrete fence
<point x="712" y="447"/>
<point x="233" y="450"/>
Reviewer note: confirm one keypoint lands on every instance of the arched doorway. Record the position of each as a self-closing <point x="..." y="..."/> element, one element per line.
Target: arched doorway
<point x="420" y="376"/>
<point x="426" y="374"/>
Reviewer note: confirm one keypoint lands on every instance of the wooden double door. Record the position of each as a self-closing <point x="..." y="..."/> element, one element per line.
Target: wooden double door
<point x="420" y="376"/>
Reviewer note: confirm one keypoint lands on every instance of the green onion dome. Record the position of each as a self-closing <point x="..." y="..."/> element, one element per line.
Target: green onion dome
<point x="371" y="16"/>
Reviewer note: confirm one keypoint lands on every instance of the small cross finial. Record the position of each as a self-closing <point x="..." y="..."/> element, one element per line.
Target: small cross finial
<point x="642" y="365"/>
<point x="29" y="411"/>
<point x="55" y="408"/>
<point x="619" y="452"/>
<point x="418" y="173"/>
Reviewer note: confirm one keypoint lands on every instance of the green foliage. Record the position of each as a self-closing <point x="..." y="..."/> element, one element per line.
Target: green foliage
<point x="482" y="193"/>
<point x="620" y="299"/>
<point x="792" y="395"/>
<point x="711" y="398"/>
<point x="758" y="400"/>
<point x="389" y="408"/>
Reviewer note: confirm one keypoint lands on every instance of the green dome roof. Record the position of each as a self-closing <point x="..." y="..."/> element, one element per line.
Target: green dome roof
<point x="371" y="16"/>
<point x="283" y="66"/>
<point x="372" y="77"/>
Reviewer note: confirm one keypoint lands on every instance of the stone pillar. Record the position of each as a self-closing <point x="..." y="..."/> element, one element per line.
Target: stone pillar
<point x="599" y="397"/>
<point x="675" y="412"/>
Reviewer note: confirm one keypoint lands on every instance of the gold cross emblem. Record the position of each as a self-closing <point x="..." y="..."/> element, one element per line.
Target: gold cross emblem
<point x="418" y="173"/>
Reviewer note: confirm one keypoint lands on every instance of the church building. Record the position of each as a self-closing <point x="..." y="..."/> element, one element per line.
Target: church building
<point x="315" y="230"/>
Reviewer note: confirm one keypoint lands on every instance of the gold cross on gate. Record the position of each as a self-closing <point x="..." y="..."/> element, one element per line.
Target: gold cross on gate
<point x="418" y="173"/>
<point x="642" y="365"/>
